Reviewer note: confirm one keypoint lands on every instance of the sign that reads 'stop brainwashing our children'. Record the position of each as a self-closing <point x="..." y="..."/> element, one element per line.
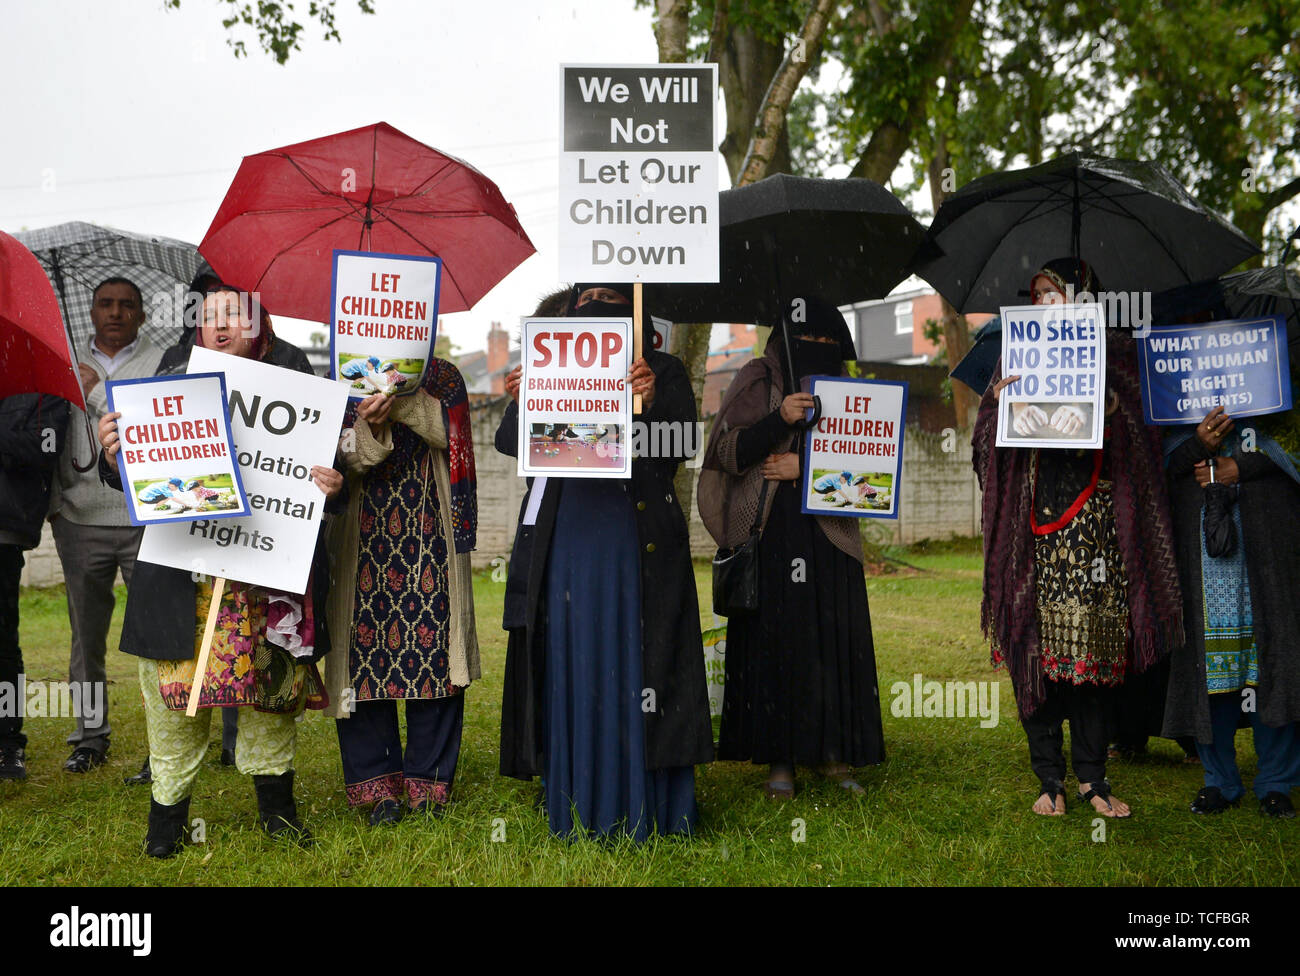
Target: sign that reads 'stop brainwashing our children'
<point x="384" y="321"/>
<point x="575" y="401"/>
<point x="1059" y="353"/>
<point x="1240" y="365"/>
<point x="638" y="173"/>
<point x="282" y="422"/>
<point x="176" y="459"/>
<point x="853" y="456"/>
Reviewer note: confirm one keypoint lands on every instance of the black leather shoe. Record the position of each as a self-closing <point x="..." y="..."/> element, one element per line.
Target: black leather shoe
<point x="386" y="813"/>
<point x="83" y="760"/>
<point x="13" y="762"/>
<point x="1277" y="805"/>
<point x="144" y="776"/>
<point x="227" y="757"/>
<point x="167" y="826"/>
<point x="1210" y="800"/>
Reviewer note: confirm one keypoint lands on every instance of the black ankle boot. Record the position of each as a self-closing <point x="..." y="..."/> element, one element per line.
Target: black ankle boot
<point x="276" y="808"/>
<point x="167" y="828"/>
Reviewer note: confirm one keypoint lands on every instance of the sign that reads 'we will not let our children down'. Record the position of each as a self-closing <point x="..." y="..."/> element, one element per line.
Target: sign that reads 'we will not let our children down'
<point x="1059" y="353"/>
<point x="638" y="173"/>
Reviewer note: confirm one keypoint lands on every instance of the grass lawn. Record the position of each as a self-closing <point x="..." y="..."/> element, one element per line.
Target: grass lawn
<point x="950" y="806"/>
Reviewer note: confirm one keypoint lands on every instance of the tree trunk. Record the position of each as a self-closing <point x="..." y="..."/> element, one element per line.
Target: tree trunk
<point x="770" y="123"/>
<point x="746" y="65"/>
<point x="690" y="342"/>
<point x="956" y="334"/>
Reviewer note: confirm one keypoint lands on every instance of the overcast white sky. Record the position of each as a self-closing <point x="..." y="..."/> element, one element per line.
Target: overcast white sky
<point x="117" y="99"/>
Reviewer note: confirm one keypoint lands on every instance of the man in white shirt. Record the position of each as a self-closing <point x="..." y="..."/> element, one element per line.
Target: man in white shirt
<point x="92" y="532"/>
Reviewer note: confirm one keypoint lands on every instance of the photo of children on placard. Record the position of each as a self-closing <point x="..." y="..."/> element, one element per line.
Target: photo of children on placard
<point x="370" y="374"/>
<point x="870" y="490"/>
<point x="1050" y="420"/>
<point x="566" y="445"/>
<point x="169" y="496"/>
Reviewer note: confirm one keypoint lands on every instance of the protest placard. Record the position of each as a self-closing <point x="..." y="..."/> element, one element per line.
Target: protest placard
<point x="638" y="173"/>
<point x="575" y="402"/>
<point x="1240" y="365"/>
<point x="853" y="456"/>
<point x="384" y="321"/>
<point x="1059" y="353"/>
<point x="282" y="423"/>
<point x="177" y="459"/>
<point x="663" y="333"/>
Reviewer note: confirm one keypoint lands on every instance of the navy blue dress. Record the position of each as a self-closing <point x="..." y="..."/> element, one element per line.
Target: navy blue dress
<point x="596" y="776"/>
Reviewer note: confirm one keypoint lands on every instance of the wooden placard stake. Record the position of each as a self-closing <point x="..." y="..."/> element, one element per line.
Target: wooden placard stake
<point x="636" y="337"/>
<point x="205" y="651"/>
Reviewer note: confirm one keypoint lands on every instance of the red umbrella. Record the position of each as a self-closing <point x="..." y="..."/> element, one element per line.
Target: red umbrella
<point x="370" y="189"/>
<point x="34" y="347"/>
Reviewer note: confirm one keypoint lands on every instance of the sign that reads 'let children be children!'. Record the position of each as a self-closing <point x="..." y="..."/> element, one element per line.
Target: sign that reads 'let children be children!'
<point x="1059" y="353"/>
<point x="177" y="459"/>
<point x="384" y="310"/>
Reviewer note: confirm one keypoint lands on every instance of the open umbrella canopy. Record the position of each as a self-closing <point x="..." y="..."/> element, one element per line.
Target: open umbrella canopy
<point x="369" y="189"/>
<point x="1242" y="295"/>
<point x="34" y="351"/>
<point x="787" y="236"/>
<point x="1132" y="221"/>
<point x="77" y="256"/>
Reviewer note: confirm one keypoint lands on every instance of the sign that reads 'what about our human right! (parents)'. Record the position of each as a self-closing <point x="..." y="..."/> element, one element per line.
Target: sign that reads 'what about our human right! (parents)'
<point x="282" y="422"/>
<point x="1240" y="365"/>
<point x="638" y="173"/>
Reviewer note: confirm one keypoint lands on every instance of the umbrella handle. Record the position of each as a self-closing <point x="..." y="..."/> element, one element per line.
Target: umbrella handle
<point x="811" y="422"/>
<point x="94" y="456"/>
<point x="1212" y="464"/>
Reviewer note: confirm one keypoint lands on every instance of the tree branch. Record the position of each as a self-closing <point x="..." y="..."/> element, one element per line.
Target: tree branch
<point x="770" y="121"/>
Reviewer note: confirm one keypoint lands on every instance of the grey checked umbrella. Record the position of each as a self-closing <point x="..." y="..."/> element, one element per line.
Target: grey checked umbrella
<point x="77" y="256"/>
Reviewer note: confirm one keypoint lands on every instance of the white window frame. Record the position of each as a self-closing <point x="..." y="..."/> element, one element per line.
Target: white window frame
<point x="901" y="309"/>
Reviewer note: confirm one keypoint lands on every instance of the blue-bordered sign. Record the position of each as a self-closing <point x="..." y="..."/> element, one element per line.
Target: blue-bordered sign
<point x="383" y="320"/>
<point x="1240" y="365"/>
<point x="853" y="456"/>
<point x="177" y="458"/>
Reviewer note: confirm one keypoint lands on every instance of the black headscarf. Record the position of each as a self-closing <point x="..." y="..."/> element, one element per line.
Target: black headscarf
<point x="816" y="318"/>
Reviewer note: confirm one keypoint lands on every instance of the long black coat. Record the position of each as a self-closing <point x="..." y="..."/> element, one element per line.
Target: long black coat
<point x="1269" y="501"/>
<point x="159" y="620"/>
<point x="678" y="732"/>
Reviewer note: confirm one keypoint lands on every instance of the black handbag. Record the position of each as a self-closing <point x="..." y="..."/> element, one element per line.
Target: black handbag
<point x="735" y="571"/>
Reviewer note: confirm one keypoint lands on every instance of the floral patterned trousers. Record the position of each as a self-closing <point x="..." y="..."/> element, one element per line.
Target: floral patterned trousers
<point x="177" y="743"/>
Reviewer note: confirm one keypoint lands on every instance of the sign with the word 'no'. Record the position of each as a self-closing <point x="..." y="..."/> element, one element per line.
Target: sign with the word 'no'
<point x="282" y="423"/>
<point x="638" y="173"/>
<point x="1059" y="353"/>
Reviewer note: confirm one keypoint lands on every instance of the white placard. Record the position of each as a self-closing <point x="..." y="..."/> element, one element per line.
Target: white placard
<point x="384" y="321"/>
<point x="575" y="402"/>
<point x="638" y="173"/>
<point x="853" y="455"/>
<point x="176" y="459"/>
<point x="282" y="422"/>
<point x="1059" y="353"/>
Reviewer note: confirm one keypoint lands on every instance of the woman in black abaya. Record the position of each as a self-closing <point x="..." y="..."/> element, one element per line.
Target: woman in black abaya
<point x="801" y="669"/>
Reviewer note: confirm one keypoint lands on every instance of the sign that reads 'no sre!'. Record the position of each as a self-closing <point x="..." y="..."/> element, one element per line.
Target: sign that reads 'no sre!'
<point x="638" y="173"/>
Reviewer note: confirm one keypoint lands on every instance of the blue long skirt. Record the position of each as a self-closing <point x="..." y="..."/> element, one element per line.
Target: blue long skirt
<point x="596" y="777"/>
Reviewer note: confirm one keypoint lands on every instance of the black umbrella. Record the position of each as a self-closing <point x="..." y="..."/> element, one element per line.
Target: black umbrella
<point x="1132" y="221"/>
<point x="1220" y="532"/>
<point x="785" y="236"/>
